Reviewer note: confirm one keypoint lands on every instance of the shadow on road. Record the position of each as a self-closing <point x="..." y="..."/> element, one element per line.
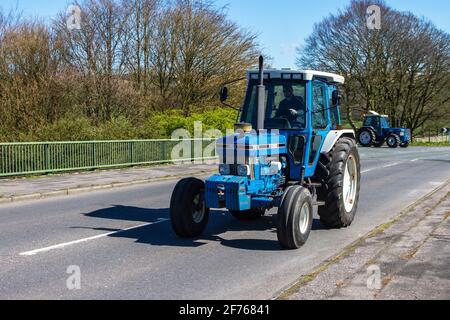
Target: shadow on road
<point x="161" y="234"/>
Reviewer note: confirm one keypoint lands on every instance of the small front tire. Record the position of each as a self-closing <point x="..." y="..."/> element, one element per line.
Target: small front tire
<point x="295" y="217"/>
<point x="188" y="212"/>
<point x="393" y="141"/>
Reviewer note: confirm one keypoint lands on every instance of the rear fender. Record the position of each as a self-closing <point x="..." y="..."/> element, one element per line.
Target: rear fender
<point x="333" y="136"/>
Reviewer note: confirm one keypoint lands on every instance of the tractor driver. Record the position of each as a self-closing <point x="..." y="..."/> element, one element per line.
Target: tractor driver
<point x="292" y="108"/>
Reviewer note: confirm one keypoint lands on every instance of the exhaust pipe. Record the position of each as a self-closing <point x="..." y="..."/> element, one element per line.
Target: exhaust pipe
<point x="261" y="95"/>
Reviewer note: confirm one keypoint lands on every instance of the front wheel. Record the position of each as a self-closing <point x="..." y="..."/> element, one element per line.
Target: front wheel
<point x="404" y="145"/>
<point x="188" y="212"/>
<point x="393" y="141"/>
<point x="295" y="217"/>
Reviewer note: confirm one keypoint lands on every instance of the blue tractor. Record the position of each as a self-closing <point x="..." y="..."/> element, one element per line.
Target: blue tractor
<point x="298" y="158"/>
<point x="376" y="130"/>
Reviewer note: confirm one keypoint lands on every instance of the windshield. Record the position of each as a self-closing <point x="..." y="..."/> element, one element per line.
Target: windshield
<point x="385" y="122"/>
<point x="285" y="106"/>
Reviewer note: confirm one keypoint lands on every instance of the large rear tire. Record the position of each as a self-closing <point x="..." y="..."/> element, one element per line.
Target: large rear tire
<point x="366" y="137"/>
<point x="340" y="175"/>
<point x="188" y="212"/>
<point x="295" y="217"/>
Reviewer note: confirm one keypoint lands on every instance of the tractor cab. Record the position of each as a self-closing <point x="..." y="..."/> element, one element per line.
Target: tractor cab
<point x="302" y="106"/>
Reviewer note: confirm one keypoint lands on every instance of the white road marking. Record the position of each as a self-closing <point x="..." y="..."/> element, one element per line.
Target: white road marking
<point x="414" y="160"/>
<point x="386" y="166"/>
<point x="392" y="165"/>
<point x="66" y="244"/>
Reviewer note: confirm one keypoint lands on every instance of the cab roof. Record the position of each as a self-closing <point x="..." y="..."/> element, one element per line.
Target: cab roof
<point x="289" y="74"/>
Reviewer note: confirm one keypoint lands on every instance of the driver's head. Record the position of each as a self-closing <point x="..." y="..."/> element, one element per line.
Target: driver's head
<point x="288" y="91"/>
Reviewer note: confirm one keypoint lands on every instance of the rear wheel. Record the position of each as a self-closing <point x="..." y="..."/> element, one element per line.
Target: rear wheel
<point x="188" y="212"/>
<point x="393" y="141"/>
<point x="339" y="173"/>
<point x="295" y="217"/>
<point x="251" y="214"/>
<point x="366" y="137"/>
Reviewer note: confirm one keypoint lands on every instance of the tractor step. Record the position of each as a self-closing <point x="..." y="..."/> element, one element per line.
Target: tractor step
<point x="319" y="203"/>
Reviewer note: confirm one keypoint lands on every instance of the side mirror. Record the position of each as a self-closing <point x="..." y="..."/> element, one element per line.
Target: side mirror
<point x="223" y="94"/>
<point x="336" y="97"/>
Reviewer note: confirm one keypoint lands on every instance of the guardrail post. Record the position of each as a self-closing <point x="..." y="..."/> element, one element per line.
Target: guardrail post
<point x="47" y="156"/>
<point x="131" y="151"/>
<point x="94" y="154"/>
<point x="164" y="150"/>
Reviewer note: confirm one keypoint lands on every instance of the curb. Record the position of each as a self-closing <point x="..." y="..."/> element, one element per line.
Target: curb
<point x="292" y="288"/>
<point x="79" y="190"/>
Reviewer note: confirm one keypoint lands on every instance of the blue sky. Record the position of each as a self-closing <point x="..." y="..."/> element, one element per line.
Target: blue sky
<point x="282" y="25"/>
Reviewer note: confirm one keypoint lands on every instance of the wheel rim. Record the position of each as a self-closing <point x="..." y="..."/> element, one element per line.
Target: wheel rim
<point x="304" y="218"/>
<point x="391" y="141"/>
<point x="350" y="183"/>
<point x="365" y="137"/>
<point x="198" y="212"/>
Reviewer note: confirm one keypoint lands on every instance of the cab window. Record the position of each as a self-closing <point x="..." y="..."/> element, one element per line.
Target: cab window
<point x="319" y="108"/>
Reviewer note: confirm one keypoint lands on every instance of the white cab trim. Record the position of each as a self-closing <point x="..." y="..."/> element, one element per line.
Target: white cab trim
<point x="304" y="74"/>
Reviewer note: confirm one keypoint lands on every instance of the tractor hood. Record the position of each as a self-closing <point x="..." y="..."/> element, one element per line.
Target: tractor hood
<point x="404" y="134"/>
<point x="239" y="148"/>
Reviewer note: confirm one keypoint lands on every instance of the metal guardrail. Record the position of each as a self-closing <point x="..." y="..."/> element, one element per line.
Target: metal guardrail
<point x="25" y="158"/>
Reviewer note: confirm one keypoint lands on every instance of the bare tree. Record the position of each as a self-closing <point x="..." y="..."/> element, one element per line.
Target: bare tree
<point x="401" y="70"/>
<point x="129" y="58"/>
<point x="97" y="53"/>
<point x="210" y="49"/>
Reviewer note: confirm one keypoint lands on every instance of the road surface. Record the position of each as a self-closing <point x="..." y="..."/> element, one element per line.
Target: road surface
<point x="124" y="247"/>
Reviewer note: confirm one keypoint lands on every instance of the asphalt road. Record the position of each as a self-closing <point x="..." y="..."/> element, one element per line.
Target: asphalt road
<point x="125" y="249"/>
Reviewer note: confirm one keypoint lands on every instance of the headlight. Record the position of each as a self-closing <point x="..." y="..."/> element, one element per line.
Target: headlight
<point x="402" y="134"/>
<point x="225" y="169"/>
<point x="243" y="170"/>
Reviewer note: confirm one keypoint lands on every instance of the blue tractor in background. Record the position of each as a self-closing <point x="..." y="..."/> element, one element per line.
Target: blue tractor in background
<point x="376" y="130"/>
<point x="298" y="158"/>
